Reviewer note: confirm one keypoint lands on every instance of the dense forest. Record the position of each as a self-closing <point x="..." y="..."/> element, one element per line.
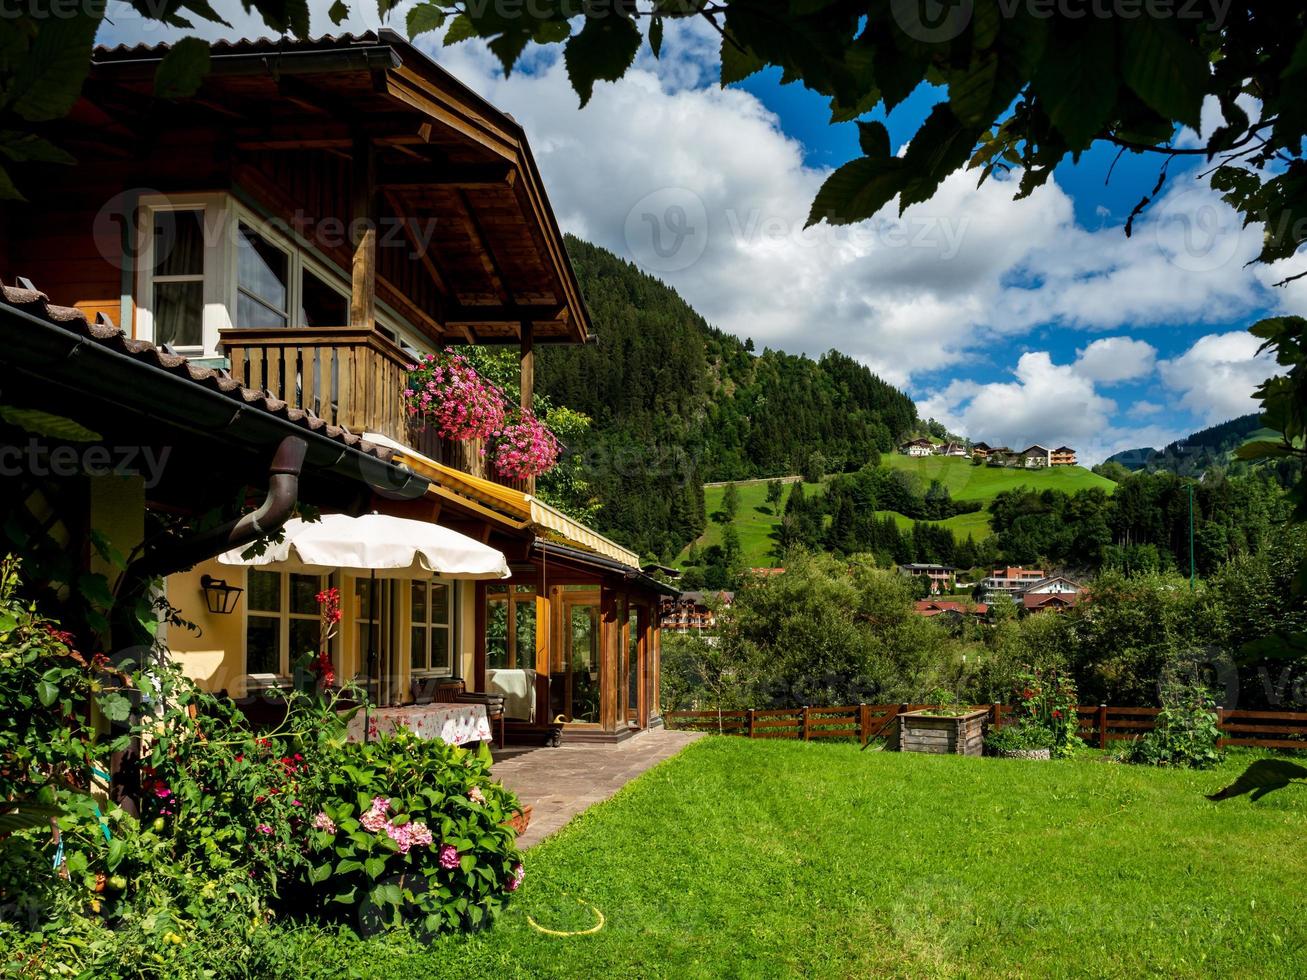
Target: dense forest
<point x="675" y="403"/>
<point x="1199" y="453"/>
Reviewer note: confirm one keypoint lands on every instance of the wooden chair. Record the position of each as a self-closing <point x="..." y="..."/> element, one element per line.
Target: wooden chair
<point x="444" y="690"/>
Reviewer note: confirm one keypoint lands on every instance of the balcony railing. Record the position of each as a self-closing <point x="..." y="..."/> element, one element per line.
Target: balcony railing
<point x="348" y="376"/>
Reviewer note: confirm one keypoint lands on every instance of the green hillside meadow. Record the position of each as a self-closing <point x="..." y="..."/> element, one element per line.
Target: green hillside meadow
<point x="756" y="523"/>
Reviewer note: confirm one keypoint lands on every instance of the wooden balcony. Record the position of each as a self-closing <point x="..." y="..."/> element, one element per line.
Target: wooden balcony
<point x="349" y="376"/>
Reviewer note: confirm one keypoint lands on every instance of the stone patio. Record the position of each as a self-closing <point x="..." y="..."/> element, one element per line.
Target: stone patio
<point x="560" y="783"/>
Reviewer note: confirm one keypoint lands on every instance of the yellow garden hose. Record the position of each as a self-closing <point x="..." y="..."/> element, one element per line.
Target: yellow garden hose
<point x="599" y="924"/>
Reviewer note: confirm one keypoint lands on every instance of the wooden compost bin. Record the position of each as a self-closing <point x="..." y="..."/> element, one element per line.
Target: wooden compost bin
<point x="927" y="731"/>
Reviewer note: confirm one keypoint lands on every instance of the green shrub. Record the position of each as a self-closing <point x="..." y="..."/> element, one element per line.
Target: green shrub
<point x="1023" y="737"/>
<point x="412" y="829"/>
<point x="1047" y="699"/>
<point x="234" y="826"/>
<point x="1186" y="734"/>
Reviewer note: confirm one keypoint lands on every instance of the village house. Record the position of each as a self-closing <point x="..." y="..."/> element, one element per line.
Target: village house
<point x="1011" y="580"/>
<point x="951" y="449"/>
<point x="1033" y="457"/>
<point x="693" y="612"/>
<point x="941" y="577"/>
<point x="1062" y="456"/>
<point x="1056" y="593"/>
<point x="951" y="609"/>
<point x="918" y="447"/>
<point x="999" y="456"/>
<point x="980" y="451"/>
<point x="278" y="251"/>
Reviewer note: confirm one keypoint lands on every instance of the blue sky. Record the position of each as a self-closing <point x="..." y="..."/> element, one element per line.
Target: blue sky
<point x="1011" y="321"/>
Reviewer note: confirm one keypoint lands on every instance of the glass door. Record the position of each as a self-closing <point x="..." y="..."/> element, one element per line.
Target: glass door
<point x="633" y="666"/>
<point x="574" y="680"/>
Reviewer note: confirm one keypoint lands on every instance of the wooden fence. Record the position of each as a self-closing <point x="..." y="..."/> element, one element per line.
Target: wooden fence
<point x="1098" y="725"/>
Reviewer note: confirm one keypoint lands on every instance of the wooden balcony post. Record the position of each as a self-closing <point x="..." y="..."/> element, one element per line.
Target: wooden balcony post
<point x="363" y="227"/>
<point x="528" y="363"/>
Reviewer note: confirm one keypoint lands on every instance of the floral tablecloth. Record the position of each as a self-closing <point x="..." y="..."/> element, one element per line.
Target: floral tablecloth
<point x="457" y="724"/>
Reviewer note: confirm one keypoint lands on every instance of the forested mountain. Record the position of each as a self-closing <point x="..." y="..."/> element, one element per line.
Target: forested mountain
<point x="676" y="403"/>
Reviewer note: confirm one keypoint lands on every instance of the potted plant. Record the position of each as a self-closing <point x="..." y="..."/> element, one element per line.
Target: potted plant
<point x="1027" y="740"/>
<point x="947" y="729"/>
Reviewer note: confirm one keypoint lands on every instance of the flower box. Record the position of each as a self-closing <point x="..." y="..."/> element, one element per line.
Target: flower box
<point x="928" y="730"/>
<point x="519" y="821"/>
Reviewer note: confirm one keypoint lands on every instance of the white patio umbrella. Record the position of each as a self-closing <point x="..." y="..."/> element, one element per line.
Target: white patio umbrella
<point x="376" y="544"/>
<point x="392" y="547"/>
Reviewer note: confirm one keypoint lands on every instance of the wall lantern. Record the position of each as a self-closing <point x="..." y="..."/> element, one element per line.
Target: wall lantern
<point x="218" y="595"/>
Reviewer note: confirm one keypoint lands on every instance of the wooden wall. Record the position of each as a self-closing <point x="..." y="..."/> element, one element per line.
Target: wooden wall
<point x="54" y="244"/>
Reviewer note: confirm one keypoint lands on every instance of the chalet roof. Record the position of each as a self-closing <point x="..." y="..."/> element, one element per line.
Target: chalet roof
<point x="1045" y="582"/>
<point x="1030" y="601"/>
<point x="980" y="445"/>
<point x="1000" y="449"/>
<point x="1064" y="449"/>
<point x="447" y="163"/>
<point x="928" y="568"/>
<point x="1036" y="449"/>
<point x="933" y="607"/>
<point x="103" y="333"/>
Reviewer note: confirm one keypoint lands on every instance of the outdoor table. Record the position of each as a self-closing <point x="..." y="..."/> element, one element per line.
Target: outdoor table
<point x="457" y="724"/>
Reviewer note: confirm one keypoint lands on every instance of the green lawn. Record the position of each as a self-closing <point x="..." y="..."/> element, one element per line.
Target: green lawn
<point x="967" y="481"/>
<point x="763" y="859"/>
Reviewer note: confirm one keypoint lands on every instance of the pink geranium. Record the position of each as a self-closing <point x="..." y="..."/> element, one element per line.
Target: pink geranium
<point x="445" y="392"/>
<point x="525" y="447"/>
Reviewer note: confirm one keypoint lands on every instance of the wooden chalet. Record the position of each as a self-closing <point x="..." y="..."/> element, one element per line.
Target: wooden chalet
<point x="317" y="216"/>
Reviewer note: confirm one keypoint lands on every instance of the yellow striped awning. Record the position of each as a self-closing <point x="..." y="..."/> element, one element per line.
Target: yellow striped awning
<point x="513" y="507"/>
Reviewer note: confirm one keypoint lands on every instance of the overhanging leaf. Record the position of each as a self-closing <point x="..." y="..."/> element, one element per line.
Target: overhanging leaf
<point x="48" y="79"/>
<point x="604" y="49"/>
<point x="1078" y="88"/>
<point x="339" y="11"/>
<point x="857" y="190"/>
<point x="47" y="424"/>
<point x="183" y="69"/>
<point x="1164" y="69"/>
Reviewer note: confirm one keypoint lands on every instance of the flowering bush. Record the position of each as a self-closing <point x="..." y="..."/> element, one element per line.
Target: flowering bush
<point x="1047" y="698"/>
<point x="446" y="392"/>
<point x="414" y="830"/>
<point x="525" y="447"/>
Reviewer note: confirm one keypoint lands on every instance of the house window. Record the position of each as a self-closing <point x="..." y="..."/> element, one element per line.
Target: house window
<point x="510" y="626"/>
<point x="282" y="620"/>
<point x="431" y="643"/>
<point x="321" y="304"/>
<point x="262" y="281"/>
<point x="177" y="270"/>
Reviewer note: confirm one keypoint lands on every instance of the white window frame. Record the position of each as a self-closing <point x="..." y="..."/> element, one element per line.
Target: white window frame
<point x="216" y="314"/>
<point x="451" y="612"/>
<point x="223" y="215"/>
<point x="284" y="616"/>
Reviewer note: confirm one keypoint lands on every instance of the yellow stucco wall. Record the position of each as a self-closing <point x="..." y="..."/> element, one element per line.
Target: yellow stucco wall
<point x="215" y="655"/>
